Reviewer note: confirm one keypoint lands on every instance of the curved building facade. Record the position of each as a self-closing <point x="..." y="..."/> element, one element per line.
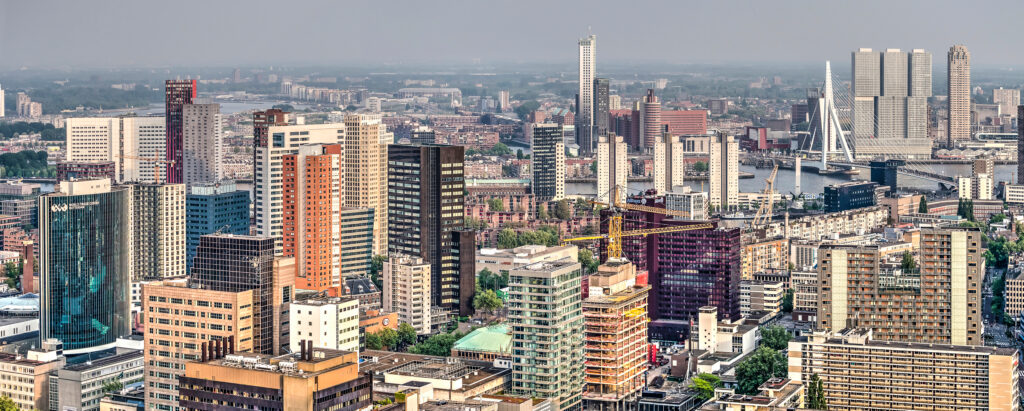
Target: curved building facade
<point x="85" y="258"/>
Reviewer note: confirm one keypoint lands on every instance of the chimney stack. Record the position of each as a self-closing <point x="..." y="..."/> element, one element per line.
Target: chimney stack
<point x="309" y="350"/>
<point x="231" y="344"/>
<point x="302" y="349"/>
<point x="203" y="351"/>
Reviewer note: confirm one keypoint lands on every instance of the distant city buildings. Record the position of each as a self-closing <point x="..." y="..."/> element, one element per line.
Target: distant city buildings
<point x="214" y="208"/>
<point x="202" y="153"/>
<point x="1007" y="99"/>
<point x="650" y="120"/>
<point x="136" y="146"/>
<point x="408" y="291"/>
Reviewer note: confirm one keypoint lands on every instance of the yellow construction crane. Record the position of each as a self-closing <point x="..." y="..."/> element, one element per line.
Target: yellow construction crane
<point x="155" y="160"/>
<point x="764" y="212"/>
<point x="615" y="233"/>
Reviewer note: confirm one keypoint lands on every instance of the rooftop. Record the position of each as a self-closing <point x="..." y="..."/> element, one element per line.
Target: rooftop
<point x="105" y="361"/>
<point x="470" y="372"/>
<point x="495" y="338"/>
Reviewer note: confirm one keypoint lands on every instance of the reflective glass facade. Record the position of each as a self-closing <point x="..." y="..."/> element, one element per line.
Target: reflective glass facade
<point x="85" y="263"/>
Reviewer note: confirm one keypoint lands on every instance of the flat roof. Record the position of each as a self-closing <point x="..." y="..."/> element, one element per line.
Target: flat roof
<point x="494" y="338"/>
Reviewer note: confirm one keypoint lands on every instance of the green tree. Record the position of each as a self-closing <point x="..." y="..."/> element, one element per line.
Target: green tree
<point x="438" y="344"/>
<point x="389" y="338"/>
<point x="587" y="260"/>
<point x="922" y="207"/>
<point x="112" y="386"/>
<point x="12" y="272"/>
<point x="787" y="301"/>
<point x="373" y="341"/>
<point x="700" y="167"/>
<point x="507" y="238"/>
<point x="542" y="212"/>
<point x="487" y="300"/>
<point x="562" y="211"/>
<point x="519" y="154"/>
<point x="761" y="365"/>
<point x="908" y="264"/>
<point x="705" y="385"/>
<point x="996" y="219"/>
<point x="816" y="394"/>
<point x="376" y="265"/>
<point x="526" y="108"/>
<point x="775" y="337"/>
<point x="406" y="335"/>
<point x="495" y="204"/>
<point x="487" y="280"/>
<point x="7" y="404"/>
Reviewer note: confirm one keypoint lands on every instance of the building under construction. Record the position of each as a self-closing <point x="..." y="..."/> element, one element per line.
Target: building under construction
<point x="615" y="337"/>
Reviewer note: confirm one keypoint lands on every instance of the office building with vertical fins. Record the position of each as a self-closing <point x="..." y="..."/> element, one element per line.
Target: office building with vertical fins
<point x="585" y="96"/>
<point x="548" y="164"/>
<point x="669" y="163"/>
<point x="890" y="93"/>
<point x="958" y="76"/>
<point x="724" y="173"/>
<point x="158" y="231"/>
<point x="136" y="145"/>
<point x="366" y="171"/>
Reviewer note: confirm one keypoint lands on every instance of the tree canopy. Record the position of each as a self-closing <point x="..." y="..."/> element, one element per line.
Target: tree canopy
<point x="775" y="337"/>
<point x="487" y="300"/>
<point x="46" y="131"/>
<point x="545" y="235"/>
<point x="438" y="344"/>
<point x="705" y="385"/>
<point x="757" y="368"/>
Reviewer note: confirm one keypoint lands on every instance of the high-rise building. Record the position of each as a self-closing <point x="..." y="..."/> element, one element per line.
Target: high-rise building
<point x="585" y="97"/>
<point x="936" y="303"/>
<point x="650" y="120"/>
<point x="19" y="199"/>
<point x="685" y="122"/>
<point x="29" y="378"/>
<point x="236" y="263"/>
<point x="693" y="202"/>
<point x="612" y="168"/>
<point x="548" y="164"/>
<point x="860" y="373"/>
<point x="614" y="102"/>
<point x="80" y="170"/>
<point x="268" y="170"/>
<point x="329" y="322"/>
<point x="158" y="230"/>
<point x="669" y="162"/>
<point x="366" y="171"/>
<point x="890" y="109"/>
<point x="724" y="173"/>
<point x="313" y="187"/>
<point x="181" y="320"/>
<point x="85" y="258"/>
<point x="2" y="104"/>
<point x="958" y="76"/>
<point x="546" y="317"/>
<point x="615" y="337"/>
<point x="503" y="103"/>
<point x="261" y="122"/>
<point x="356" y="233"/>
<point x="601" y="104"/>
<point x="201" y="136"/>
<point x="1008" y="99"/>
<point x="408" y="290"/>
<point x="212" y="208"/>
<point x="982" y="176"/>
<point x="80" y="386"/>
<point x="423" y="135"/>
<point x="136" y="145"/>
<point x="849" y="195"/>
<point x="177" y="94"/>
<point x="312" y="379"/>
<point x="1020" y="145"/>
<point x="427" y="219"/>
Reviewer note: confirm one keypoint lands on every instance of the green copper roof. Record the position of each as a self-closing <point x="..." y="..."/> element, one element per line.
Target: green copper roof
<point x="495" y="338"/>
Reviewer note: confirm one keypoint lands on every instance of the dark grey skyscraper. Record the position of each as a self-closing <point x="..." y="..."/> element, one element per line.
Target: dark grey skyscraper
<point x="548" y="166"/>
<point x="600" y="106"/>
<point x="426" y="218"/>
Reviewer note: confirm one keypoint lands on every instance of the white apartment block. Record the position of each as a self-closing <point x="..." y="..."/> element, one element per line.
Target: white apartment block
<point x="158" y="230"/>
<point x="330" y="322"/>
<point x="612" y="168"/>
<point x="136" y="145"/>
<point x="202" y="139"/>
<point x="669" y="163"/>
<point x="268" y="187"/>
<point x="1014" y="193"/>
<point x="724" y="176"/>
<point x="693" y="202"/>
<point x="407" y="291"/>
<point x="763" y="296"/>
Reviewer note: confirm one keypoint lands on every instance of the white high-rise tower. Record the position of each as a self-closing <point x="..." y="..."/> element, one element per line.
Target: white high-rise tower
<point x="585" y="98"/>
<point x="1" y="102"/>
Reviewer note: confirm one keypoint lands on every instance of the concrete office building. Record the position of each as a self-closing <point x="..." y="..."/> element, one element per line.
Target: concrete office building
<point x="85" y="170"/>
<point x="982" y="175"/>
<point x="212" y="208"/>
<point x="366" y="171"/>
<point x="158" y="231"/>
<point x="268" y="173"/>
<point x="724" y="173"/>
<point x="356" y="233"/>
<point x="408" y="290"/>
<point x="805" y="295"/>
<point x="427" y="219"/>
<point x="182" y="318"/>
<point x="585" y="97"/>
<point x="859" y="372"/>
<point x="19" y="199"/>
<point x="312" y="379"/>
<point x="261" y="122"/>
<point x="85" y="260"/>
<point x="612" y="168"/>
<point x="761" y="296"/>
<point x="313" y="196"/>
<point x="81" y="386"/>
<point x="177" y="94"/>
<point x="650" y="120"/>
<point x="502" y="261"/>
<point x="890" y="93"/>
<point x="546" y="316"/>
<point x="548" y="162"/>
<point x="615" y="337"/>
<point x="693" y="202"/>
<point x="27" y="378"/>
<point x="669" y="163"/>
<point x="202" y="137"/>
<point x="136" y="145"/>
<point x="848" y="196"/>
<point x="235" y="263"/>
<point x="938" y="303"/>
<point x="958" y="110"/>
<point x="329" y="322"/>
<point x="1007" y="99"/>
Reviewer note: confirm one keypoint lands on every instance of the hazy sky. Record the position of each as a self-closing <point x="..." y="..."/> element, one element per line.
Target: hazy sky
<point x="102" y="33"/>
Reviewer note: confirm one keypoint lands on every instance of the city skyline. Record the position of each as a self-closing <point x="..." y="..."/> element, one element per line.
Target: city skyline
<point x="81" y="35"/>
